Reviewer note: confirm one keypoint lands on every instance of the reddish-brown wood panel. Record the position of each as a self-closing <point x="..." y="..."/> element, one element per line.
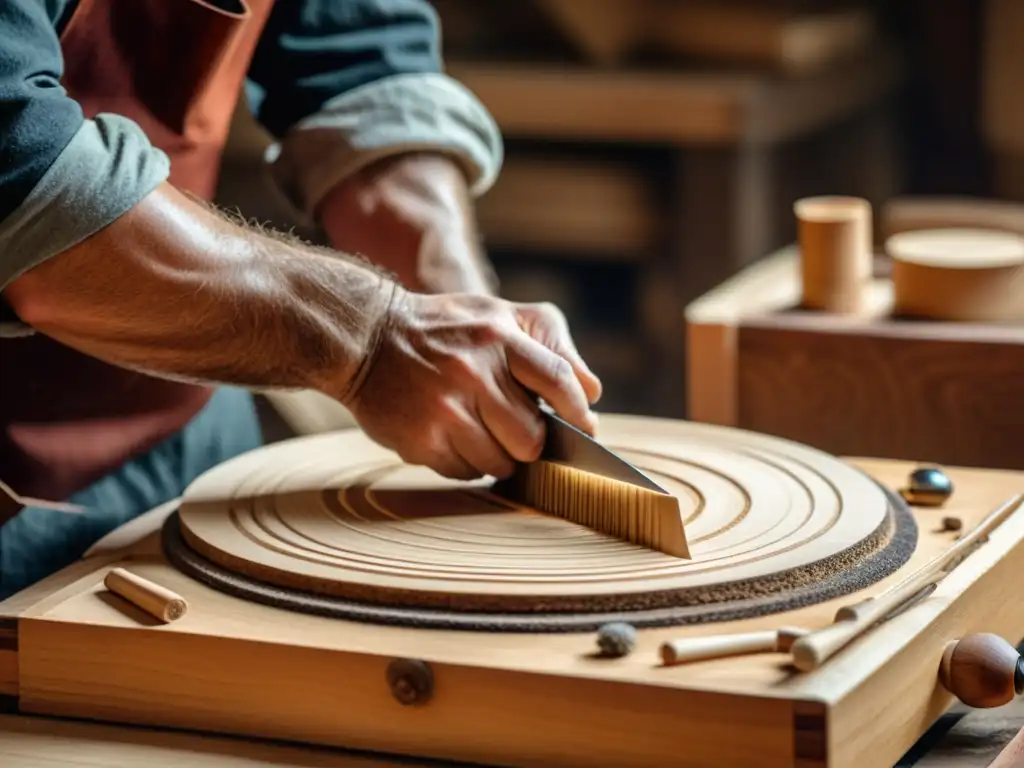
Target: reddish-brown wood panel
<point x="912" y="391"/>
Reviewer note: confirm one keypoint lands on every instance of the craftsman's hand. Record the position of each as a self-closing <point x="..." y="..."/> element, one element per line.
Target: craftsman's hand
<point x="413" y="216"/>
<point x="454" y="380"/>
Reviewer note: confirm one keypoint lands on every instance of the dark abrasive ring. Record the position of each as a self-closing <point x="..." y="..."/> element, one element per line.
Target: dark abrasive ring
<point x="856" y="568"/>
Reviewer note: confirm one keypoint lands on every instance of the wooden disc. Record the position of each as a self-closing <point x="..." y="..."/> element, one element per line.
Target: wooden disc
<point x="966" y="275"/>
<point x="337" y="515"/>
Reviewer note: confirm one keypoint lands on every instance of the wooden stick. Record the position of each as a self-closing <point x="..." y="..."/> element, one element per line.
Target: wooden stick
<point x="814" y="649"/>
<point x="28" y="501"/>
<point x="157" y="601"/>
<point x="835" y="252"/>
<point x="690" y="649"/>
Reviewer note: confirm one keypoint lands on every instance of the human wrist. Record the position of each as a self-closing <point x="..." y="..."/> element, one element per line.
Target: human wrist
<point x="383" y="307"/>
<point x="412" y="215"/>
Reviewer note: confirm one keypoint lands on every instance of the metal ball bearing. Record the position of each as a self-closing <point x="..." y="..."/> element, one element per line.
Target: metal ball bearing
<point x="928" y="487"/>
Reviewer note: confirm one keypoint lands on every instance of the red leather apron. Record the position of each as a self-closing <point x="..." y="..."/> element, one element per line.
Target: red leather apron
<point x="176" y="67"/>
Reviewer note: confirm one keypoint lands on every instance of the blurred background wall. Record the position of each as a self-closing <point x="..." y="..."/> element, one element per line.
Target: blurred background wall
<point x="655" y="147"/>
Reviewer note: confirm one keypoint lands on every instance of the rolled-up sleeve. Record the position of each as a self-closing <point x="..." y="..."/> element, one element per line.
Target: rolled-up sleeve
<point x="344" y="84"/>
<point x="62" y="177"/>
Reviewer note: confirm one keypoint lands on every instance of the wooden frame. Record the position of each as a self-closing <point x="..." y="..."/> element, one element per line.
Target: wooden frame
<point x="673" y="108"/>
<point x="233" y="667"/>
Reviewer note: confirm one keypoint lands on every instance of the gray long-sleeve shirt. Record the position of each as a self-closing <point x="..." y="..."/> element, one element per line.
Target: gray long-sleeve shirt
<point x="338" y="83"/>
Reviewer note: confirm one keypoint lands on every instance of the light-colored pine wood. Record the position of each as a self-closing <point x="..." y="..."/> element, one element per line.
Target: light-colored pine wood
<point x="339" y="515"/>
<point x="959" y="275"/>
<point x="235" y="667"/>
<point x="34" y="742"/>
<point x="26" y="501"/>
<point x="852" y="621"/>
<point x="722" y="646"/>
<point x="835" y="253"/>
<point x="612" y="507"/>
<point x="159" y="602"/>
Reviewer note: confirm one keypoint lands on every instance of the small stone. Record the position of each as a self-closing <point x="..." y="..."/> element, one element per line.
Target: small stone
<point x="616" y="639"/>
<point x="952" y="524"/>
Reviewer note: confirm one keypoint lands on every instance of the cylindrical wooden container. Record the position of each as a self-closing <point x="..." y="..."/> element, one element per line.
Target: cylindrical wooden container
<point x="835" y="236"/>
<point x="964" y="275"/>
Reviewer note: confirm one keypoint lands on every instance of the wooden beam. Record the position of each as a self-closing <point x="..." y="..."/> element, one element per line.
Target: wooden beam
<point x="683" y="108"/>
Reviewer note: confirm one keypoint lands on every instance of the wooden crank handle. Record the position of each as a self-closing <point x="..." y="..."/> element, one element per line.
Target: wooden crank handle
<point x="982" y="670"/>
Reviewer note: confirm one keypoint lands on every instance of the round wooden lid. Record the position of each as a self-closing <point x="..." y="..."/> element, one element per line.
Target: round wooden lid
<point x="958" y="274"/>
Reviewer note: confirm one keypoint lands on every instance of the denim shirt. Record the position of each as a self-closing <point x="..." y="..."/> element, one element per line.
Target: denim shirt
<point x="338" y="83"/>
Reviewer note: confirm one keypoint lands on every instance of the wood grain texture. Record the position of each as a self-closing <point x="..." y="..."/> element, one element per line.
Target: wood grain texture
<point x="981" y="671"/>
<point x="36" y="742"/>
<point x="337" y="514"/>
<point x="960" y="669"/>
<point x="936" y="393"/>
<point x="234" y="667"/>
<point x="867" y="384"/>
<point x="617" y="509"/>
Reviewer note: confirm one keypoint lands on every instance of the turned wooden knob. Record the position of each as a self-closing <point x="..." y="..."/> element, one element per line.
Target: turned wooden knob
<point x="982" y="671"/>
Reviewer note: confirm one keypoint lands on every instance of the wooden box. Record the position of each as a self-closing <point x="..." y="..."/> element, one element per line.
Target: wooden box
<point x="69" y="648"/>
<point x="866" y="384"/>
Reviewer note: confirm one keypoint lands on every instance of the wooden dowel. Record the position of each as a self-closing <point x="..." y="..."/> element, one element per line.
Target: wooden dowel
<point x="851" y="621"/>
<point x="836" y="255"/>
<point x="29" y="501"/>
<point x="689" y="649"/>
<point x="157" y="601"/>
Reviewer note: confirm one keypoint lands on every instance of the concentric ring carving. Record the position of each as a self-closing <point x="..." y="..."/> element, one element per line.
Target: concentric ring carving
<point x="337" y="516"/>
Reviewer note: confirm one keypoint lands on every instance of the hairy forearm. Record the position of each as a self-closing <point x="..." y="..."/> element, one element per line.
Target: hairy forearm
<point x="412" y="215"/>
<point x="177" y="289"/>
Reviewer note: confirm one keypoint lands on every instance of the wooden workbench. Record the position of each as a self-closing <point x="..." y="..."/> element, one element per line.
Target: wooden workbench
<point x="38" y="742"/>
<point x="963" y="738"/>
